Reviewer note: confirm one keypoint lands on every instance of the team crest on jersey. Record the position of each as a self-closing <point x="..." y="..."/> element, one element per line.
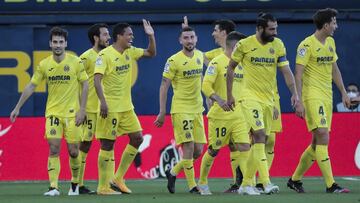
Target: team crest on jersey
<point x="239" y="67"/>
<point x="271" y="51"/>
<point x="258" y="123"/>
<point x="331" y="49"/>
<point x="218" y="143"/>
<point x="66" y="68"/>
<point x="127" y="57"/>
<point x="198" y="61"/>
<point x="89" y="134"/>
<point x="210" y="70"/>
<point x="188" y="135"/>
<point x="98" y="61"/>
<point x="302" y="52"/>
<point x="113" y="133"/>
<point x="53" y="132"/>
<point x="166" y="68"/>
<point x="323" y="121"/>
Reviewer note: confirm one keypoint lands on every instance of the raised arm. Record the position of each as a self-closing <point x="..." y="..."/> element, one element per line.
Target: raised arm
<point x="151" y="49"/>
<point x="28" y="91"/>
<point x="337" y="78"/>
<point x="164" y="88"/>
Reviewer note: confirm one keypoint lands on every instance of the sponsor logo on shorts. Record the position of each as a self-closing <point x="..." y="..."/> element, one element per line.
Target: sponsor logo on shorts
<point x="89" y="134"/>
<point x="53" y="132"/>
<point x="188" y="135"/>
<point x="323" y="121"/>
<point x="218" y="143"/>
<point x="258" y="123"/>
<point x="113" y="132"/>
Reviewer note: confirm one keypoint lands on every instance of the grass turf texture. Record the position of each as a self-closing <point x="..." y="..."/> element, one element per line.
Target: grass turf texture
<point x="154" y="191"/>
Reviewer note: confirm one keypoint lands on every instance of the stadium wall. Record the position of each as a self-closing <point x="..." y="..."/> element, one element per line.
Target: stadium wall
<point x="24" y="151"/>
<point x="23" y="47"/>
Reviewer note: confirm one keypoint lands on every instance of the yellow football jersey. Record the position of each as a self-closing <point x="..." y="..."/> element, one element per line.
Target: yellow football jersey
<point x="63" y="81"/>
<point x="215" y="82"/>
<point x="88" y="59"/>
<point x="116" y="70"/>
<point x="210" y="55"/>
<point x="259" y="62"/>
<point x="185" y="74"/>
<point x="318" y="59"/>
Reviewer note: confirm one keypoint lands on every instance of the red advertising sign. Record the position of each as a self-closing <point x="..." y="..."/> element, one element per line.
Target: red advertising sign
<point x="24" y="150"/>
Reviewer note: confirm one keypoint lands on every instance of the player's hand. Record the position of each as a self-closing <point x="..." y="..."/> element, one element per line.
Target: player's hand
<point x="14" y="115"/>
<point x="300" y="110"/>
<point x="346" y="100"/>
<point x="231" y="102"/>
<point x="147" y="27"/>
<point x="80" y="117"/>
<point x="276" y="113"/>
<point x="160" y="119"/>
<point x="185" y="23"/>
<point x="103" y="110"/>
<point x="224" y="105"/>
<point x="294" y="100"/>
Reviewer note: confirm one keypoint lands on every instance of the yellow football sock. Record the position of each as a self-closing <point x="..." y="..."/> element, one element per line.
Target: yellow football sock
<point x="243" y="160"/>
<point x="127" y="158"/>
<point x="83" y="156"/>
<point x="75" y="166"/>
<point x="177" y="168"/>
<point x="104" y="167"/>
<point x="188" y="165"/>
<point x="323" y="160"/>
<point x="250" y="169"/>
<point x="306" y="161"/>
<point x="269" y="149"/>
<point x="234" y="158"/>
<point x="260" y="158"/>
<point x="112" y="165"/>
<point x="54" y="171"/>
<point x="205" y="168"/>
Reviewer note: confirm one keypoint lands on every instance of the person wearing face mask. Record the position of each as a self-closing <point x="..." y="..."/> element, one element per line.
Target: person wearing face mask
<point x="353" y="92"/>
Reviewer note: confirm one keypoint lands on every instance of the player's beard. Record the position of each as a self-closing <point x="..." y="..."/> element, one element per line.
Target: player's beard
<point x="189" y="48"/>
<point x="267" y="38"/>
<point x="102" y="45"/>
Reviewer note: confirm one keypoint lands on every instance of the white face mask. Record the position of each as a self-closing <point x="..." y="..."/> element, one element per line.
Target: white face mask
<point x="351" y="95"/>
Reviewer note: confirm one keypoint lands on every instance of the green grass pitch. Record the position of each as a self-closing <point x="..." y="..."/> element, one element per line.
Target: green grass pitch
<point x="154" y="191"/>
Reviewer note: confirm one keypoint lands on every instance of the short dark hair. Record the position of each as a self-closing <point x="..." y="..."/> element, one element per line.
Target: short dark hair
<point x="186" y="29"/>
<point x="323" y="16"/>
<point x="58" y="31"/>
<point x="227" y="25"/>
<point x="94" y="30"/>
<point x="119" y="29"/>
<point x="234" y="36"/>
<point x="263" y="19"/>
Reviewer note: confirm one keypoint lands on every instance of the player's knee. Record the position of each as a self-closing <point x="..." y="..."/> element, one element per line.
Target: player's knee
<point x="73" y="153"/>
<point x="107" y="145"/>
<point x="54" y="150"/>
<point x="243" y="147"/>
<point x="85" y="146"/>
<point x="136" y="139"/>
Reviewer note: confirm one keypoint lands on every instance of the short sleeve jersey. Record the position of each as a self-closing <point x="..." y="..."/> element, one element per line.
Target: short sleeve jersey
<point x="210" y="55"/>
<point x="88" y="59"/>
<point x="317" y="58"/>
<point x="116" y="69"/>
<point x="185" y="74"/>
<point x="63" y="81"/>
<point x="215" y="82"/>
<point x="260" y="62"/>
